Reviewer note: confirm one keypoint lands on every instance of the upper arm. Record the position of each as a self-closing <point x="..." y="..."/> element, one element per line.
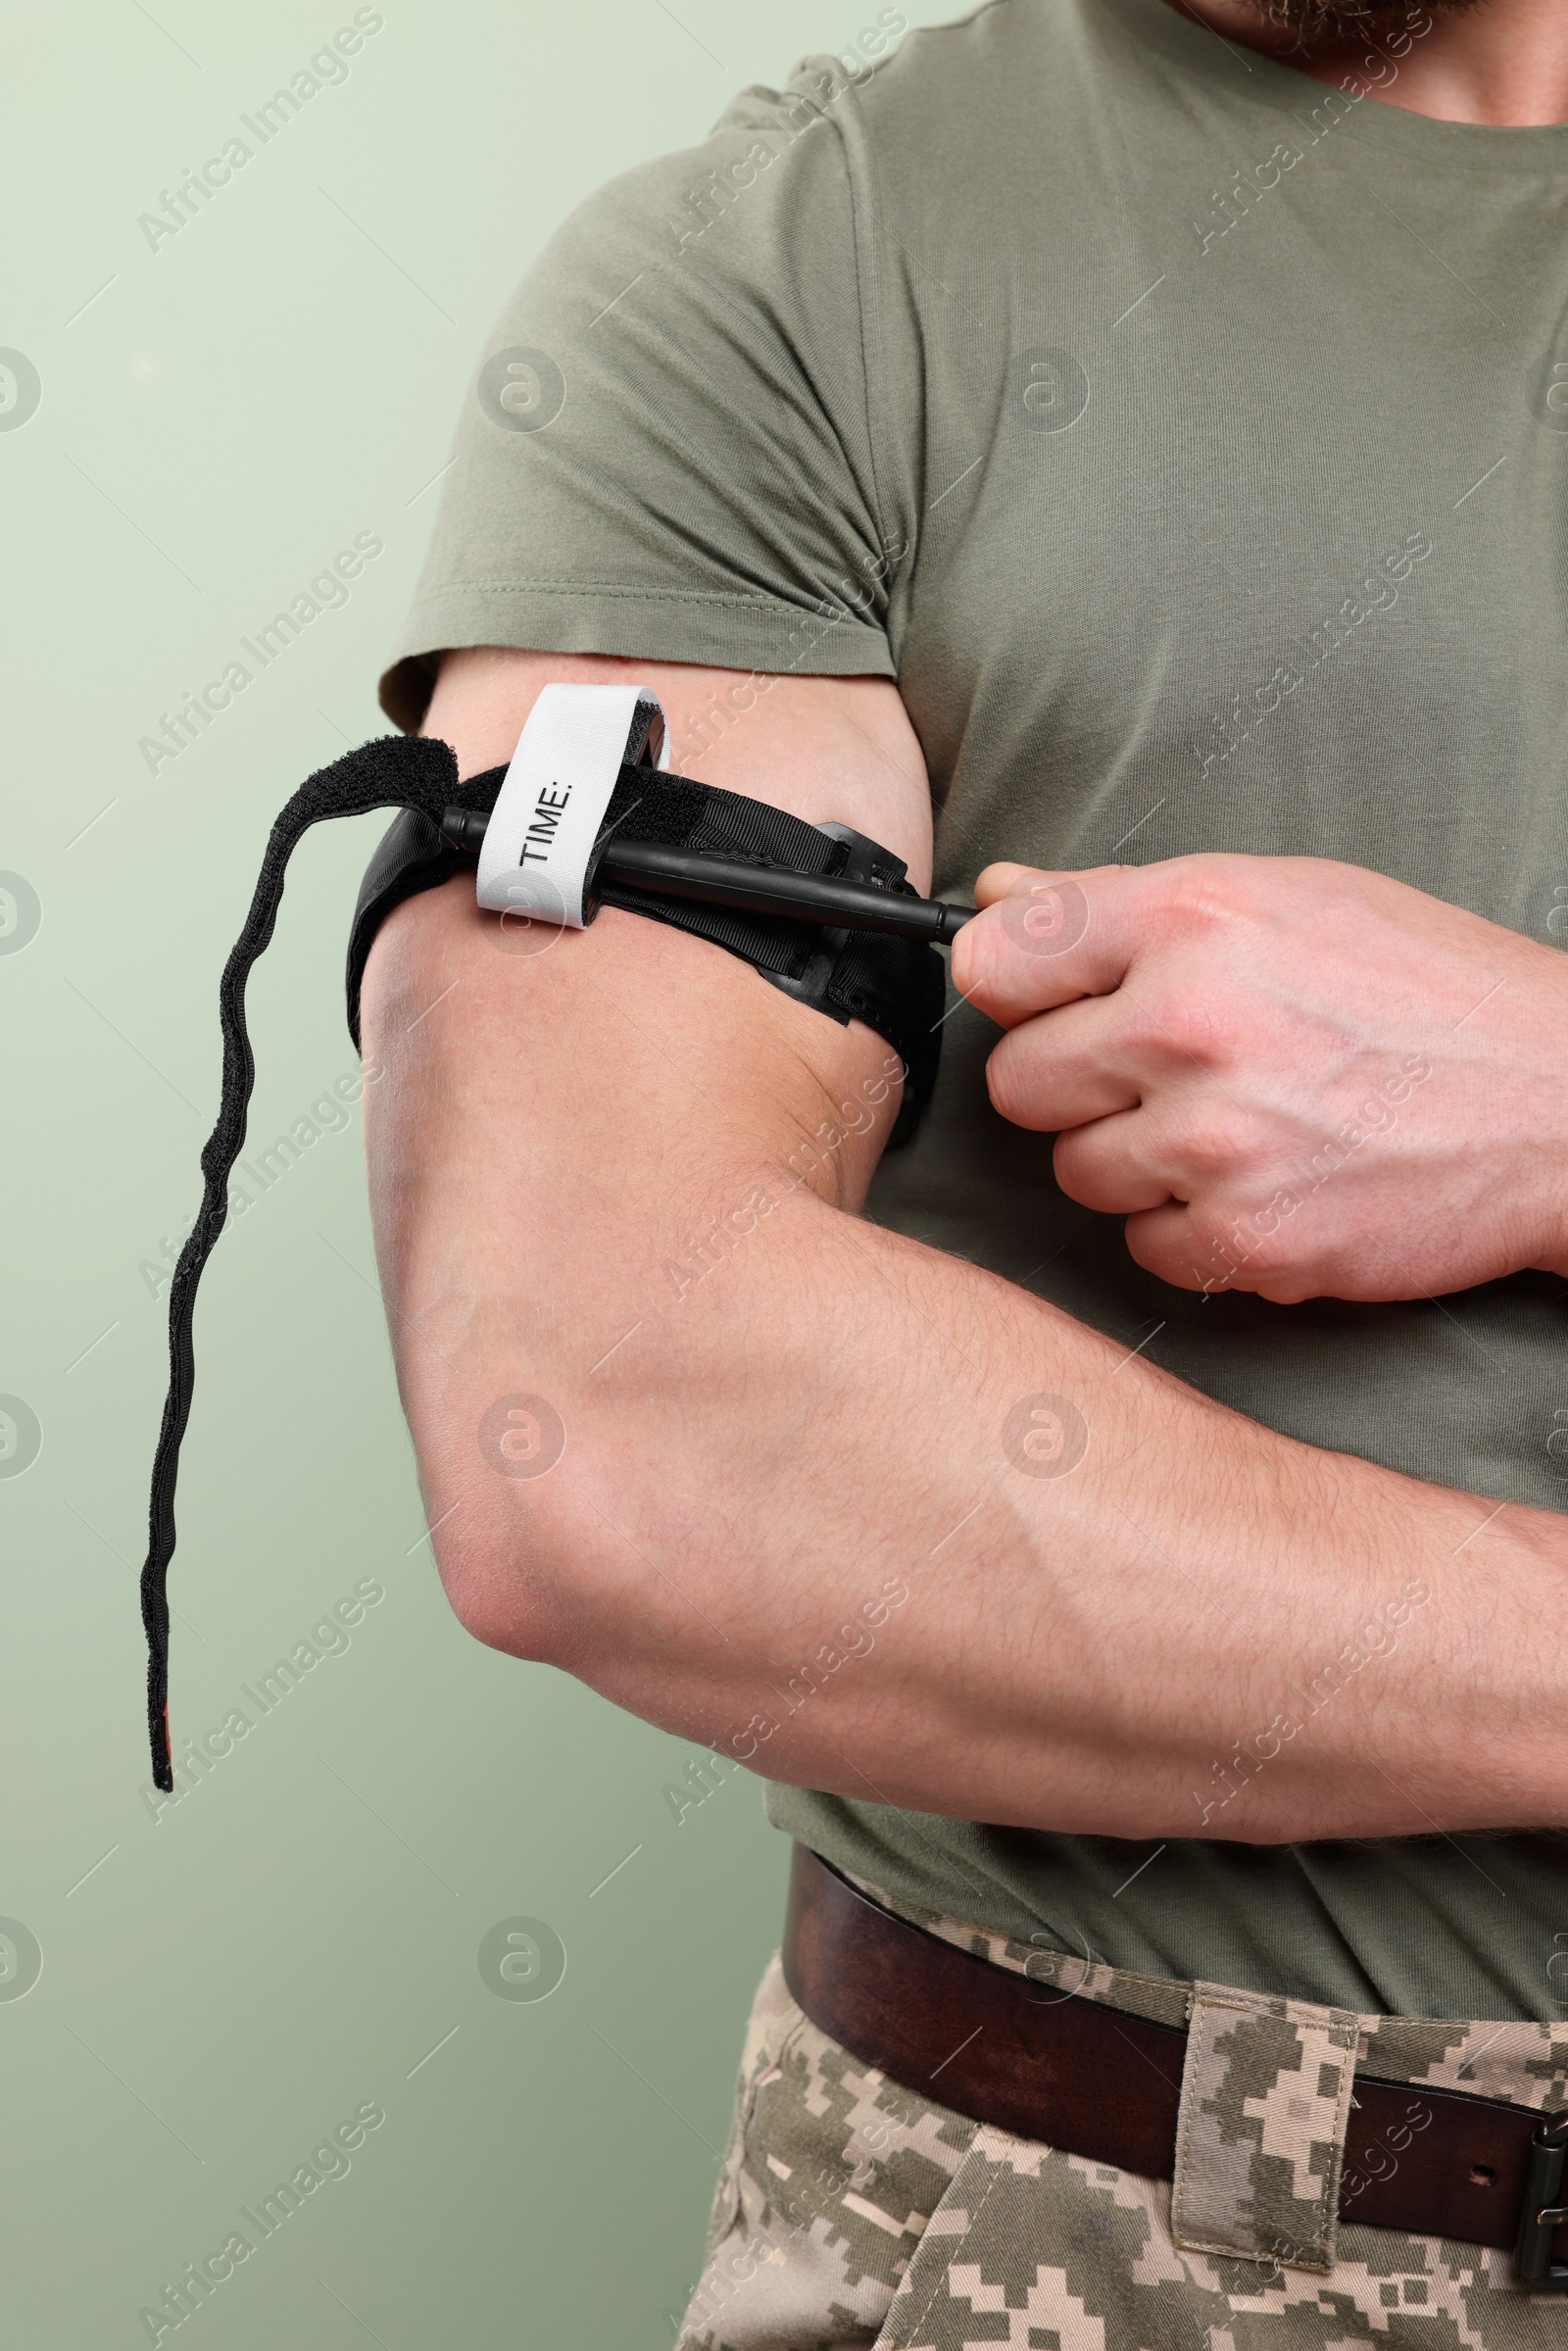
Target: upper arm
<point x="828" y="749"/>
<point x="561" y="1115"/>
<point x="831" y="750"/>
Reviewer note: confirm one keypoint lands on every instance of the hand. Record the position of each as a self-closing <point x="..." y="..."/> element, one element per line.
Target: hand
<point x="1291" y="1076"/>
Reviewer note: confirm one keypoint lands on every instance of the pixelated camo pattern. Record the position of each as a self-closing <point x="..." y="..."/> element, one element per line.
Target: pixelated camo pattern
<point x="1525" y="2063"/>
<point x="853" y="2211"/>
<point x="1260" y="2140"/>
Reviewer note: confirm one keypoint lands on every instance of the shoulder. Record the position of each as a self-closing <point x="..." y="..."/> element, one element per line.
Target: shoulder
<point x="937" y="92"/>
<point x="951" y="118"/>
<point x="950" y="84"/>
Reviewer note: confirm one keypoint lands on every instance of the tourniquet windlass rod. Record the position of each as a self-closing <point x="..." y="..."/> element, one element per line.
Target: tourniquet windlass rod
<point x="762" y="890"/>
<point x="751" y="888"/>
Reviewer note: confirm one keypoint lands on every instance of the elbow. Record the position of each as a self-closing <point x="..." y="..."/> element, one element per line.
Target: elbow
<point x="504" y="1522"/>
<point x="543" y="1546"/>
<point x="509" y="1576"/>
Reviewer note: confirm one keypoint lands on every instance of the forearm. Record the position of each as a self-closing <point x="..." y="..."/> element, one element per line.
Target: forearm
<point x="810" y="1435"/>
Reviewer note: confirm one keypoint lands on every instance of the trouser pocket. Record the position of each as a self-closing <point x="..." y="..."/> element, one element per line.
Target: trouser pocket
<point x="829" y="2178"/>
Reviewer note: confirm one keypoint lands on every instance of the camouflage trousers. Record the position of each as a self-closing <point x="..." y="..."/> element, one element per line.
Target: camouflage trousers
<point x="853" y="2212"/>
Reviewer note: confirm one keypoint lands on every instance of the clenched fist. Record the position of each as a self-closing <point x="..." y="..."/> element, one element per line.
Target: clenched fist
<point x="1291" y="1076"/>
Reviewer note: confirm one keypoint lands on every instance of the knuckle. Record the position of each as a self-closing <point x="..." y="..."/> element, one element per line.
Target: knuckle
<point x="1209" y="890"/>
<point x="1215" y="1145"/>
<point x="1174" y="1028"/>
<point x="1015" y="1085"/>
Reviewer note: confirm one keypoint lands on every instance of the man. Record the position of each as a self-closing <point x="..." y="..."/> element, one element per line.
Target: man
<point x="1117" y="454"/>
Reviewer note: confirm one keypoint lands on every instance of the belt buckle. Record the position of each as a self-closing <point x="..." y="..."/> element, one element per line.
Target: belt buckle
<point x="1544" y="2211"/>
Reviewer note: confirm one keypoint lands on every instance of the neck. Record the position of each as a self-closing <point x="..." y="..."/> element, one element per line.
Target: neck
<point x="1501" y="61"/>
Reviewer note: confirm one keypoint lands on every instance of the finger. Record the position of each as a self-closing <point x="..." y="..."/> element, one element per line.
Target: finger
<point x="1065" y="1067"/>
<point x="1109" y="1166"/>
<point x="996" y="881"/>
<point x="1165" y="1239"/>
<point x="1049" y="938"/>
<point x="1182" y="1249"/>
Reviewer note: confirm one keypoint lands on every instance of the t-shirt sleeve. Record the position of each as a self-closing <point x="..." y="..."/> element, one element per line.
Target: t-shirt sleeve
<point x="667" y="450"/>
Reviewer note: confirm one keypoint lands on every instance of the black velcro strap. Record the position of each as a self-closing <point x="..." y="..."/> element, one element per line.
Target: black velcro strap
<point x="896" y="986"/>
<point x="394" y="771"/>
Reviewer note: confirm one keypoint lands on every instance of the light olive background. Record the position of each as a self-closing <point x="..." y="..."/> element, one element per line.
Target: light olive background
<point x="224" y="1985"/>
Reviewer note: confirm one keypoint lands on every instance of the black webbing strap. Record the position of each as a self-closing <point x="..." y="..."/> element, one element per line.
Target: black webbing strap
<point x="394" y="771"/>
<point x="895" y="984"/>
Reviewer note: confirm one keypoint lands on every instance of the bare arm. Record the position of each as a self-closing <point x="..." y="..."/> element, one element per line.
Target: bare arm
<point x="855" y="1512"/>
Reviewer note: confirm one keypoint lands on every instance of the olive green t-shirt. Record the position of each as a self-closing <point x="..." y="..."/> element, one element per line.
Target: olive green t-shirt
<point x="1190" y="443"/>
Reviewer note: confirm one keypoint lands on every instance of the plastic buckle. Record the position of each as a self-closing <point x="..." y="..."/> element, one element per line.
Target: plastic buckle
<point x="809" y="987"/>
<point x="1544" y="2210"/>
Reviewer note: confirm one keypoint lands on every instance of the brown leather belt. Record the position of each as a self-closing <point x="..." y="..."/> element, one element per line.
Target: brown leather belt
<point x="1099" y="2083"/>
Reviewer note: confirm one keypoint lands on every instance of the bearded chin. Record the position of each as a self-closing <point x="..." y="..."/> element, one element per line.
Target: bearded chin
<point x="1314" y="21"/>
